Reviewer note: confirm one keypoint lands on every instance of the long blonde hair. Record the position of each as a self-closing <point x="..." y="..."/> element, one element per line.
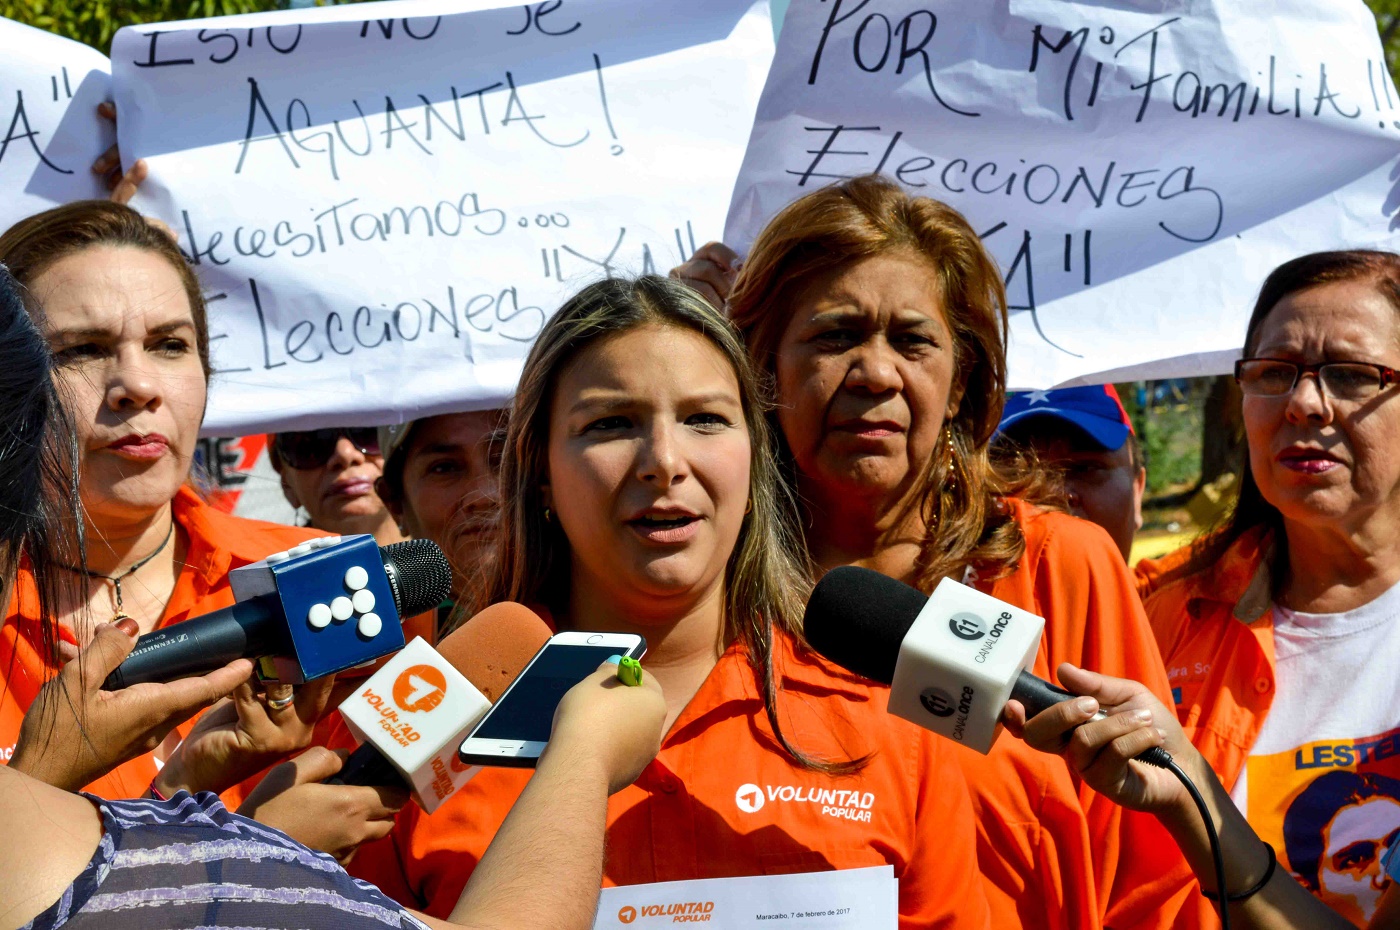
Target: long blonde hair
<point x="960" y="494"/>
<point x="765" y="586"/>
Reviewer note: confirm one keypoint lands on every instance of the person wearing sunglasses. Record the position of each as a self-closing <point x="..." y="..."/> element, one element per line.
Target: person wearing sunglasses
<point x="1281" y="627"/>
<point x="331" y="473"/>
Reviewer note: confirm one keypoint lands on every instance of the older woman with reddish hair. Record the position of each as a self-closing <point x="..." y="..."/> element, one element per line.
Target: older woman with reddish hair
<point x="882" y="321"/>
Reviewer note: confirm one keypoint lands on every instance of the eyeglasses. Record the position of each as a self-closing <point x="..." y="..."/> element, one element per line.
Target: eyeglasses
<point x="1350" y="381"/>
<point x="314" y="448"/>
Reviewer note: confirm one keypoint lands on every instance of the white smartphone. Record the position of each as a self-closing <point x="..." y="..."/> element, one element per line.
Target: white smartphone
<point x="514" y="731"/>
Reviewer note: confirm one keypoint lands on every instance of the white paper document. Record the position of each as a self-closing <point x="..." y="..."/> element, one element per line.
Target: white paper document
<point x="388" y="201"/>
<point x="850" y="899"/>
<point x="1136" y="168"/>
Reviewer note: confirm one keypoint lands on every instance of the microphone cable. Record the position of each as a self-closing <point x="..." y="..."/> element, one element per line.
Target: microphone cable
<point x="1159" y="757"/>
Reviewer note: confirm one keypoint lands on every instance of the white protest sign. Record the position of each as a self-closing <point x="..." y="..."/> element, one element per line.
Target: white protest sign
<point x="1135" y="167"/>
<point x="50" y="133"/>
<point x="387" y="208"/>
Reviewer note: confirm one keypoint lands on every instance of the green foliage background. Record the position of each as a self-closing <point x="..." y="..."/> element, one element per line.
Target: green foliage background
<point x="96" y="21"/>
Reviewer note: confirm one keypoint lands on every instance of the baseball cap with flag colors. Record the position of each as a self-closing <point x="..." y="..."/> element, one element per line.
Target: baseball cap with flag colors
<point x="1095" y="409"/>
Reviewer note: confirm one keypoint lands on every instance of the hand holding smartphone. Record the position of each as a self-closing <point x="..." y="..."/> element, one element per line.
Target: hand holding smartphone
<point x="515" y="731"/>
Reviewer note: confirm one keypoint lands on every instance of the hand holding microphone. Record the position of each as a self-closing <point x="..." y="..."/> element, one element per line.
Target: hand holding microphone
<point x="75" y="732"/>
<point x="1102" y="749"/>
<point x="243" y="735"/>
<point x="334" y="818"/>
<point x="953" y="661"/>
<point x="414" y="712"/>
<point x="958" y="664"/>
<point x="411" y="715"/>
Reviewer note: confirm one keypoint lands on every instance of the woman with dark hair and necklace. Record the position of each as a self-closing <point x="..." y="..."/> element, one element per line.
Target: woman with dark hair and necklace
<point x="125" y="319"/>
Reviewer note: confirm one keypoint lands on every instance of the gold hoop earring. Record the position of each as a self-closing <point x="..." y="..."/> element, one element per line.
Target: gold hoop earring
<point x="548" y="515"/>
<point x="748" y="505"/>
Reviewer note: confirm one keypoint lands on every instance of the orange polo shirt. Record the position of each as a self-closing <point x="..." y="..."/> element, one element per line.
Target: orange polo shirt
<point x="1055" y="852"/>
<point x="1216" y="629"/>
<point x="216" y="542"/>
<point x="721" y="799"/>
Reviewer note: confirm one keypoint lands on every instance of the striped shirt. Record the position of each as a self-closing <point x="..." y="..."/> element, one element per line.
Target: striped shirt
<point x="189" y="863"/>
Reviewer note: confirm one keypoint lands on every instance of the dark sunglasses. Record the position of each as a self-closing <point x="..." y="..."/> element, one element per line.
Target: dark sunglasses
<point x="313" y="448"/>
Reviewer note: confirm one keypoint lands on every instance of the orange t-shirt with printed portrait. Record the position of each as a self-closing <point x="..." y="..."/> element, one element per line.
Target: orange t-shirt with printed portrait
<point x="722" y="799"/>
<point x="1327" y="799"/>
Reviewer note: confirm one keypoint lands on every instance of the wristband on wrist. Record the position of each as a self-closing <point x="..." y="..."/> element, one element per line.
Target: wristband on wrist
<point x="154" y="792"/>
<point x="1256" y="887"/>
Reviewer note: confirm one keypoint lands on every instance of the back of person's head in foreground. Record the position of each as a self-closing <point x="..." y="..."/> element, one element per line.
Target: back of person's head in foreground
<point x="639" y="395"/>
<point x="862" y="259"/>
<point x="33" y="473"/>
<point x="125" y="318"/>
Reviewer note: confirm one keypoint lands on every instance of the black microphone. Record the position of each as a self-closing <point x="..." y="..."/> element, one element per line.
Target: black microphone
<point x="316" y="609"/>
<point x="952" y="660"/>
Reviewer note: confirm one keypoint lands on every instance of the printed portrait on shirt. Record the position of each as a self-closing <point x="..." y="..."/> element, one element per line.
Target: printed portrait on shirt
<point x="1332" y="809"/>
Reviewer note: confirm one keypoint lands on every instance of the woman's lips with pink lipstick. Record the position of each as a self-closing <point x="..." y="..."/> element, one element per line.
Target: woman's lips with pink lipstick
<point x="665" y="526"/>
<point x="352" y="487"/>
<point x="1307" y="461"/>
<point x="869" y="429"/>
<point x="146" y="448"/>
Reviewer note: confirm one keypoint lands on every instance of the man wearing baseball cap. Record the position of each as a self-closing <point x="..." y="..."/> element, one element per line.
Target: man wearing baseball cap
<point x="1085" y="433"/>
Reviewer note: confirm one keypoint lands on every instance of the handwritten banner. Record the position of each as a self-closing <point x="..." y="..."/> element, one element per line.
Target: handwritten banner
<point x="1136" y="169"/>
<point x="387" y="210"/>
<point x="50" y="133"/>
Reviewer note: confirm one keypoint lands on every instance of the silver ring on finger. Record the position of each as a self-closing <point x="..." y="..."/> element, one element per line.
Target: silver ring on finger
<point x="281" y="703"/>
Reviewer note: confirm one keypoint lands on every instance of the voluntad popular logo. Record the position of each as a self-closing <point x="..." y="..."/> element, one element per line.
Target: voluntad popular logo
<point x="627" y="914"/>
<point x="749" y="798"/>
<point x="420" y="688"/>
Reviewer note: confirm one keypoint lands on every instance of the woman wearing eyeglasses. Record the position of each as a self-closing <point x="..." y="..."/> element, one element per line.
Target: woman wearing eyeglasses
<point x="125" y="318"/>
<point x="1282" y="630"/>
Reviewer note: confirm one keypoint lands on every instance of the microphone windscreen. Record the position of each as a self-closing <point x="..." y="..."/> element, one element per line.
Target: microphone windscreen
<point x="418" y="574"/>
<point x="493" y="647"/>
<point x="857" y="618"/>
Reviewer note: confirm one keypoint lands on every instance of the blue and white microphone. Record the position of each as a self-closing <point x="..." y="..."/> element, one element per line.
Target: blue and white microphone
<point x="319" y="608"/>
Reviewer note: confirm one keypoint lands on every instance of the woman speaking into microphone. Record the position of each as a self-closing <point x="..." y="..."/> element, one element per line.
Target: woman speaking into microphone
<point x="81" y="862"/>
<point x="641" y="494"/>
